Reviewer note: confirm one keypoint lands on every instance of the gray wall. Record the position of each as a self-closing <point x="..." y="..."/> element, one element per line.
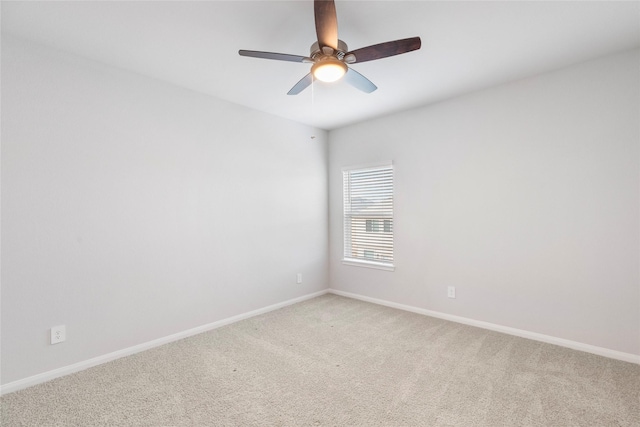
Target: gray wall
<point x="133" y="209"/>
<point x="525" y="197"/>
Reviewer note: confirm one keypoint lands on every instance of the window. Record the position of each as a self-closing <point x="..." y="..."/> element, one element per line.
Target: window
<point x="368" y="216"/>
<point x="372" y="225"/>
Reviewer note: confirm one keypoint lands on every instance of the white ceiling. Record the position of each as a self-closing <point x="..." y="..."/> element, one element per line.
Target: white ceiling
<point x="466" y="46"/>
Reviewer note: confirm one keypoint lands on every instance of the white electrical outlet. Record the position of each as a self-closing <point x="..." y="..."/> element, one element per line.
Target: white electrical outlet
<point x="451" y="292"/>
<point x="299" y="278"/>
<point x="58" y="334"/>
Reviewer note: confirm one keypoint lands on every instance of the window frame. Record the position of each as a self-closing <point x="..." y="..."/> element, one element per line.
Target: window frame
<point x="379" y="228"/>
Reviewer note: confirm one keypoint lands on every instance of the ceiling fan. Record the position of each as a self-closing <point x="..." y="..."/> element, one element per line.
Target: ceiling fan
<point x="330" y="56"/>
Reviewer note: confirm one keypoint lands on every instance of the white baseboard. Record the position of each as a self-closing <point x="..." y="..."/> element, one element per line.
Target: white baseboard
<point x="80" y="366"/>
<point x="600" y="351"/>
<point x="76" y="367"/>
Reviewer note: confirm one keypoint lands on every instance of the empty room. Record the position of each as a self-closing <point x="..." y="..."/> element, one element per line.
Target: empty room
<point x="320" y="213"/>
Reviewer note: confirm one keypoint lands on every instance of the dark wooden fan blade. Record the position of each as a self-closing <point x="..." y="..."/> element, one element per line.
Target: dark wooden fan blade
<point x="301" y="85"/>
<point x="276" y="56"/>
<point x="383" y="50"/>
<point x="359" y="81"/>
<point x="326" y="23"/>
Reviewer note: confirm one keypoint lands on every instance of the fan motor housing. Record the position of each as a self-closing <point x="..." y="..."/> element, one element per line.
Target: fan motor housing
<point x="316" y="52"/>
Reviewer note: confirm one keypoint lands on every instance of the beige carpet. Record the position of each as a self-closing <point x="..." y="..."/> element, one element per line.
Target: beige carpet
<point x="334" y="361"/>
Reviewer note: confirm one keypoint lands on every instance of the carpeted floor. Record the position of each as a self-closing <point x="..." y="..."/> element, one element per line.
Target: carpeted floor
<point x="335" y="361"/>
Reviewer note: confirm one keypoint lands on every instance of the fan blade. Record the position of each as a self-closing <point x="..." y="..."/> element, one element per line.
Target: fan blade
<point x="276" y="56"/>
<point x="383" y="50"/>
<point x="301" y="85"/>
<point x="359" y="81"/>
<point x="326" y="23"/>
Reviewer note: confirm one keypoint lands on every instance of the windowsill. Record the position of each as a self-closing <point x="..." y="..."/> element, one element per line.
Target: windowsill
<point x="368" y="264"/>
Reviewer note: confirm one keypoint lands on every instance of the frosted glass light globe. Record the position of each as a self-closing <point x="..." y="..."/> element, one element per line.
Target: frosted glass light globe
<point x="329" y="70"/>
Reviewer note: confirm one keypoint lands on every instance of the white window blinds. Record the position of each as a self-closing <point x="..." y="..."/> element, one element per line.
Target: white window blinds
<point x="368" y="215"/>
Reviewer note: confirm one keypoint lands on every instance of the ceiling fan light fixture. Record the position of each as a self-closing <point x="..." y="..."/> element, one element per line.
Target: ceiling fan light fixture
<point x="329" y="70"/>
<point x="330" y="55"/>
